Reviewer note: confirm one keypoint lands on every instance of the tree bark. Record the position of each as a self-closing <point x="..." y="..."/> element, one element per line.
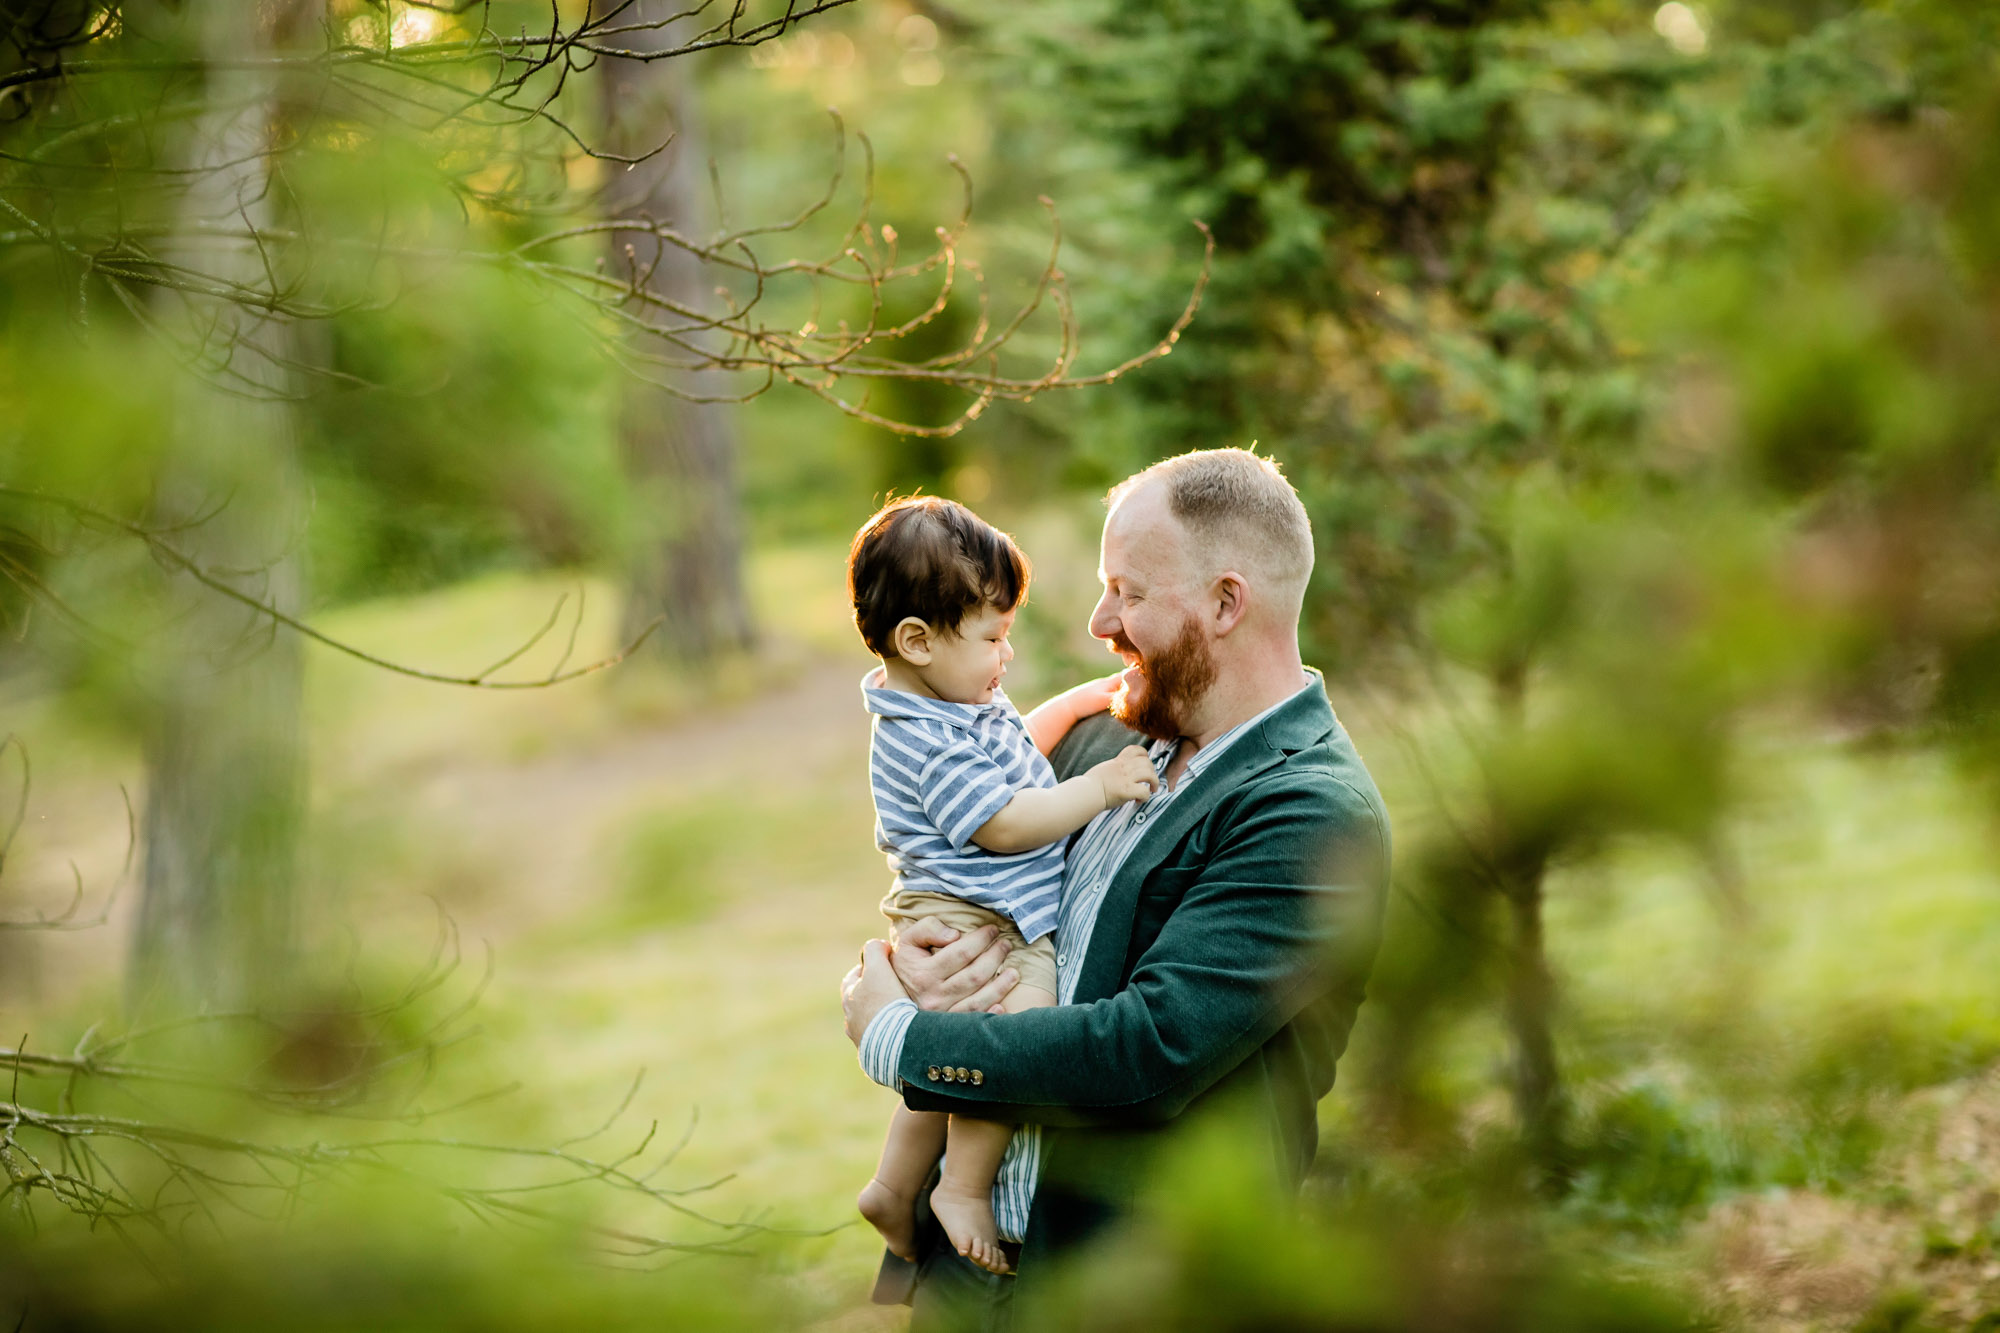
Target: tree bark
<point x="686" y="565"/>
<point x="1538" y="1090"/>
<point x="1530" y="1003"/>
<point x="224" y="752"/>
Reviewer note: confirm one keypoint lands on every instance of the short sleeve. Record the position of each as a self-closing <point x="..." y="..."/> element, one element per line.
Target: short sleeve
<point x="961" y="788"/>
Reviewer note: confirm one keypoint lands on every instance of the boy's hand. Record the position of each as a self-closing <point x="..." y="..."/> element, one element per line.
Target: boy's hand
<point x="1094" y="696"/>
<point x="1127" y="777"/>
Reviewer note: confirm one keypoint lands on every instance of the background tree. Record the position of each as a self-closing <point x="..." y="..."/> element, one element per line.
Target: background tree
<point x="679" y="437"/>
<point x="223" y="790"/>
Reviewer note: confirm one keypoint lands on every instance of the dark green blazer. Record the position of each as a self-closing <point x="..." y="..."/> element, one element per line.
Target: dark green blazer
<point x="1229" y="956"/>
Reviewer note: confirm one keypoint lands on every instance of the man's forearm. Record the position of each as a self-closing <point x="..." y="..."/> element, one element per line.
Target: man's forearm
<point x="881" y="1046"/>
<point x="1086" y="1065"/>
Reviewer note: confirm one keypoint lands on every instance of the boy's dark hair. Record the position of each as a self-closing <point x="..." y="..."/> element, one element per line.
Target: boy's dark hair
<point x="933" y="559"/>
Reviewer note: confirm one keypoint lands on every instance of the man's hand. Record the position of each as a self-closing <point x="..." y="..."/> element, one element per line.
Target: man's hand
<point x="1126" y="776"/>
<point x="941" y="969"/>
<point x="867" y="987"/>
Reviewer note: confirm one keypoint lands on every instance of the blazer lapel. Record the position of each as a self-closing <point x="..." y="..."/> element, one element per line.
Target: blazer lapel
<point x="1293" y="727"/>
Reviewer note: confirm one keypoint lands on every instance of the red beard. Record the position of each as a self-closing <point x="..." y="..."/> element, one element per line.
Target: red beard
<point x="1169" y="683"/>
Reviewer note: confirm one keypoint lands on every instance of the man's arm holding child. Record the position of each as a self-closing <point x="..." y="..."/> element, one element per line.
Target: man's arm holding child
<point x="1038" y="816"/>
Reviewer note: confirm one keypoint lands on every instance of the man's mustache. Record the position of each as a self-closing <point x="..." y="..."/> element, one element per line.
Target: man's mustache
<point x="1124" y="645"/>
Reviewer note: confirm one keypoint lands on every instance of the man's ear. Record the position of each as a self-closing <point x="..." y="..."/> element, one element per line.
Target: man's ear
<point x="912" y="641"/>
<point x="1231" y="603"/>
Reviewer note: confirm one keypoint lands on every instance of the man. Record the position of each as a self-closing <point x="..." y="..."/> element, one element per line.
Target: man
<point x="1214" y="941"/>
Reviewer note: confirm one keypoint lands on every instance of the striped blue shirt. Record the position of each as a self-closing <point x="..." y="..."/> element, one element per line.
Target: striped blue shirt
<point x="1094" y="859"/>
<point x="939" y="771"/>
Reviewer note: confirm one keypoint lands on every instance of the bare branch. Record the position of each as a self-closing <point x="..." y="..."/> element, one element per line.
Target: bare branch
<point x="176" y="560"/>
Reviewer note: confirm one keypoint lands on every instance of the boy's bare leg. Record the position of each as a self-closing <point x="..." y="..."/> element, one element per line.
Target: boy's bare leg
<point x="889" y="1201"/>
<point x="963" y="1199"/>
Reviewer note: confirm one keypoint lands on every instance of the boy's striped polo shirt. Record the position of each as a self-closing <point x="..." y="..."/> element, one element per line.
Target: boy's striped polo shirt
<point x="939" y="770"/>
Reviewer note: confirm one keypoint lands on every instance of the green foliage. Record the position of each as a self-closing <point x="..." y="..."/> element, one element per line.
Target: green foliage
<point x="1422" y="217"/>
<point x="478" y="434"/>
<point x="1217" y="1247"/>
<point x="1900" y="1311"/>
<point x="377" y="1260"/>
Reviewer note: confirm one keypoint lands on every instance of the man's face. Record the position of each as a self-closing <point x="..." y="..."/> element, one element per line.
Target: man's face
<point x="1147" y="615"/>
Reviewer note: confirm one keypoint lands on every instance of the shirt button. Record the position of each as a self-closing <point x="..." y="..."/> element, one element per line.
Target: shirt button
<point x="1140" y="818"/>
<point x="1061" y="959"/>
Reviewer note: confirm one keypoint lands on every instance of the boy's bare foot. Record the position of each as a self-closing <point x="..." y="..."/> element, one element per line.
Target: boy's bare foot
<point x="892" y="1214"/>
<point x="967" y="1217"/>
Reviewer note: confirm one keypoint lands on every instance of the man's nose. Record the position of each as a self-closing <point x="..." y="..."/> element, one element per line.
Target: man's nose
<point x="1104" y="619"/>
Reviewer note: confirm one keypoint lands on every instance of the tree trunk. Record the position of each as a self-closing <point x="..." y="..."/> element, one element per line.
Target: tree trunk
<point x="1538" y="1090"/>
<point x="223" y="749"/>
<point x="686" y="566"/>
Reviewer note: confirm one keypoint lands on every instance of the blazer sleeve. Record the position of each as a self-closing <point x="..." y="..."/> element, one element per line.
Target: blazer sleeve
<point x="1292" y="886"/>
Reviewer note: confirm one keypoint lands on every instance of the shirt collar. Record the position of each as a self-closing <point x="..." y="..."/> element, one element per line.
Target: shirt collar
<point x="885" y="702"/>
<point x="1212" y="751"/>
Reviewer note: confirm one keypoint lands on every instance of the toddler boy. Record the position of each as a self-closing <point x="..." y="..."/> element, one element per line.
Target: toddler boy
<point x="966" y="807"/>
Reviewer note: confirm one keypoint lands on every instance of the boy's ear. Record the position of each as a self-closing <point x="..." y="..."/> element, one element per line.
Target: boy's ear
<point x="912" y="640"/>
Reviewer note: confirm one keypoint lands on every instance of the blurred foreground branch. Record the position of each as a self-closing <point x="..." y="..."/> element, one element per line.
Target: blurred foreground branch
<point x="242" y="1113"/>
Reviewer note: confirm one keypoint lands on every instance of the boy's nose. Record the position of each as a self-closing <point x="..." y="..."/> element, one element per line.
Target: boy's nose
<point x="1006" y="651"/>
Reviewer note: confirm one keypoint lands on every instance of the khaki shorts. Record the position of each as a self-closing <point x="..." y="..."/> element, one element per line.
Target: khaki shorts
<point x="1035" y="962"/>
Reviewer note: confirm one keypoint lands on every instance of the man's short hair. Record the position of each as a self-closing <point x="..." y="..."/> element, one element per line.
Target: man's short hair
<point x="1241" y="508"/>
<point x="933" y="559"/>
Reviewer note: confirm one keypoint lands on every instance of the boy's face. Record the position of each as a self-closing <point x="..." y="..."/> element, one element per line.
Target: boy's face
<point x="966" y="669"/>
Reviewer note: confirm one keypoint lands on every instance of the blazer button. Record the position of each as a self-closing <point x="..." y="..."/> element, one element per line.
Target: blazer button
<point x="962" y="1075"/>
<point x="978" y="1077"/>
<point x="932" y="1073"/>
<point x="950" y="1074"/>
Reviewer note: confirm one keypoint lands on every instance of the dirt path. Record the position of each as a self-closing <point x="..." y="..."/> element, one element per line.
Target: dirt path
<point x="547" y="820"/>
